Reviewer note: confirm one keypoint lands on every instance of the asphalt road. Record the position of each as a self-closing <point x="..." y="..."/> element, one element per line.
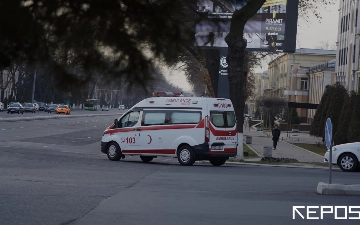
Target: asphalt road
<point x="73" y="112"/>
<point x="52" y="172"/>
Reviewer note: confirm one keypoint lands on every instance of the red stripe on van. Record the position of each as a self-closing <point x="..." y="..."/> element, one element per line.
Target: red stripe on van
<point x="201" y="124"/>
<point x="161" y="127"/>
<point x="153" y="151"/>
<point x="222" y="132"/>
<point x="118" y="130"/>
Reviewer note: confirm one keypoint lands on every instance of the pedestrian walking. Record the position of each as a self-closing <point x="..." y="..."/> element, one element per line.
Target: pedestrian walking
<point x="275" y="136"/>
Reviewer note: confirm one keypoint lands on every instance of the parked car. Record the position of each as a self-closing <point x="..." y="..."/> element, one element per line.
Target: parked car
<point x="41" y="106"/>
<point x="15" y="108"/>
<point x="52" y="108"/>
<point x="11" y="104"/>
<point x="121" y="107"/>
<point x="29" y="107"/>
<point x="105" y="108"/>
<point x="1" y="107"/>
<point x="346" y="156"/>
<point x="63" y="109"/>
<point x="36" y="106"/>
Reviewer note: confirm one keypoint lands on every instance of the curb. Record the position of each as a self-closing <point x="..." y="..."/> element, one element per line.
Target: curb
<point x="52" y="117"/>
<point x="338" y="189"/>
<point x="281" y="165"/>
<point x="304" y="149"/>
<point x="252" y="150"/>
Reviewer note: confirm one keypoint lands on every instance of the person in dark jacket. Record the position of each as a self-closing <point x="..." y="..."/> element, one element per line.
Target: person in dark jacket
<point x="276" y="135"/>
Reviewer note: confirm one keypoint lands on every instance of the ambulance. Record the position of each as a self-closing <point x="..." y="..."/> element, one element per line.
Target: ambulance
<point x="186" y="128"/>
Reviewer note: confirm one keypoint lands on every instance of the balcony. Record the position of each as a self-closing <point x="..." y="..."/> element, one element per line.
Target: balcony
<point x="296" y="92"/>
<point x="289" y="92"/>
<point x="302" y="92"/>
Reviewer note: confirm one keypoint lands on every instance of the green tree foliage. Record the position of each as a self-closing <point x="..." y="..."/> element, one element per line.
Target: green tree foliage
<point x="341" y="132"/>
<point x="354" y="126"/>
<point x="115" y="37"/>
<point x="294" y="116"/>
<point x="271" y="108"/>
<point x="317" y="126"/>
<point x="335" y="104"/>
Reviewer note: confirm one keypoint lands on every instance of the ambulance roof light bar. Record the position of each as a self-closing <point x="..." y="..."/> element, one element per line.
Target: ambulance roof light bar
<point x="167" y="94"/>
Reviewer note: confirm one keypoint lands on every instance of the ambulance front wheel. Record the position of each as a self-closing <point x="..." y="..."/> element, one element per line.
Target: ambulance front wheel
<point x="217" y="162"/>
<point x="113" y="151"/>
<point x="185" y="155"/>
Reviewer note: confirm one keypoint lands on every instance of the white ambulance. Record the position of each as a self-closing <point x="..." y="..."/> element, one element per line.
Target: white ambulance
<point x="187" y="128"/>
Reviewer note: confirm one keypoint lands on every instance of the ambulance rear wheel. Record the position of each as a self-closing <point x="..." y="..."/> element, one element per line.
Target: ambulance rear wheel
<point x="146" y="159"/>
<point x="113" y="151"/>
<point x="217" y="162"/>
<point x="185" y="155"/>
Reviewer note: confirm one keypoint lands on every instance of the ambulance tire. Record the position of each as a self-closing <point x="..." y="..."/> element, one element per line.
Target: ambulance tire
<point x="146" y="159"/>
<point x="217" y="162"/>
<point x="185" y="155"/>
<point x="113" y="151"/>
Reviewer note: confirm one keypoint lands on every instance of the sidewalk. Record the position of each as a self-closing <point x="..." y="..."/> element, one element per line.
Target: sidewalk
<point x="284" y="148"/>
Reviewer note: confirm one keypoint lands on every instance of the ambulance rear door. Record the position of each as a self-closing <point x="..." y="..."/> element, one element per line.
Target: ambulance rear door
<point x="222" y="126"/>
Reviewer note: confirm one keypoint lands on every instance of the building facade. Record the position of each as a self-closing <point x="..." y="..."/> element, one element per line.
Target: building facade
<point x="289" y="77"/>
<point x="8" y="78"/>
<point x="320" y="76"/>
<point x="261" y="84"/>
<point x="348" y="45"/>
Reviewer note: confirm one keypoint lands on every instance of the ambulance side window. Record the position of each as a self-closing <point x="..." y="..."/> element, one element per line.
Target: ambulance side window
<point x="154" y="118"/>
<point x="179" y="117"/>
<point x="130" y="119"/>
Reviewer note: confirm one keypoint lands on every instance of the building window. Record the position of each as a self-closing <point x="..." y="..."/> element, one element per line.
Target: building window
<point x="354" y="54"/>
<point x="356" y="17"/>
<point x="304" y="84"/>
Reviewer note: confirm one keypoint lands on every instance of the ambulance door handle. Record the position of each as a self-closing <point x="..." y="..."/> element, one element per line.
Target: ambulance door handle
<point x="137" y="129"/>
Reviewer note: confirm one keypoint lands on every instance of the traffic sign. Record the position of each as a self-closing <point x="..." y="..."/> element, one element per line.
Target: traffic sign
<point x="328" y="133"/>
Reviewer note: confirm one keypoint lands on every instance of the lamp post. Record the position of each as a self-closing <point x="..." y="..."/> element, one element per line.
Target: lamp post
<point x="33" y="90"/>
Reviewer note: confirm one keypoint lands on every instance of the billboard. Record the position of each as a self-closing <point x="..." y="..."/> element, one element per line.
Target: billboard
<point x="272" y="28"/>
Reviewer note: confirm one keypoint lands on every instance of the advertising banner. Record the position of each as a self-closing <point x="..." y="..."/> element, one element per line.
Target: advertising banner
<point x="265" y="31"/>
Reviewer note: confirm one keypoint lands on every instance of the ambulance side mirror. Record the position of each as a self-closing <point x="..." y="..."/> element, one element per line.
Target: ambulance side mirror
<point x="116" y="123"/>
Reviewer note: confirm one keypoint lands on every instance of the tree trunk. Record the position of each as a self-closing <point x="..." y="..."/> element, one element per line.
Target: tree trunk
<point x="236" y="75"/>
<point x="236" y="61"/>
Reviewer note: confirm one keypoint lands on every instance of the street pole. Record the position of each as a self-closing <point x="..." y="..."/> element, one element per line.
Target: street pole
<point x="287" y="132"/>
<point x="330" y="165"/>
<point x="33" y="90"/>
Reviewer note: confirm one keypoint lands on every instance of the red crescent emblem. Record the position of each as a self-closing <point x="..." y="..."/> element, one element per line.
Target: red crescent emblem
<point x="150" y="139"/>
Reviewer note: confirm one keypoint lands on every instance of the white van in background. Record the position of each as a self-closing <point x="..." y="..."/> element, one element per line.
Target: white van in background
<point x="1" y="107"/>
<point x="188" y="128"/>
